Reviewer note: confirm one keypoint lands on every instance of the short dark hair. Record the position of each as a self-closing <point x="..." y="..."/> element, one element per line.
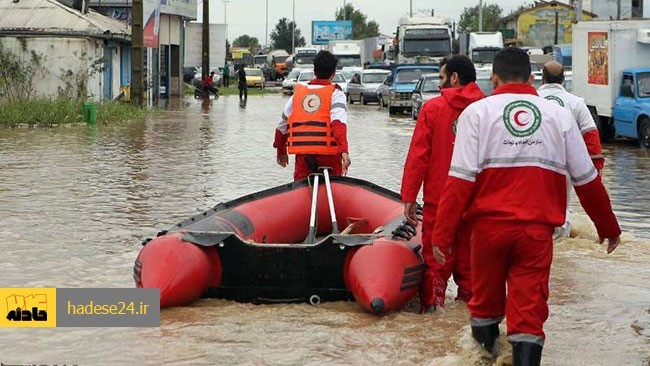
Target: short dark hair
<point x="552" y="78"/>
<point x="512" y="64"/>
<point x="324" y="64"/>
<point x="461" y="65"/>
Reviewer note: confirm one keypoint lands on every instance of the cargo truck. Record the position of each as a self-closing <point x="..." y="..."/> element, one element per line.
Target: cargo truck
<point x="611" y="71"/>
<point x="423" y="40"/>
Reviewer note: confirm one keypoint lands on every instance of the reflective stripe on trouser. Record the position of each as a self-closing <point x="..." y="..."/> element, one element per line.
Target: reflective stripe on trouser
<point x="519" y="255"/>
<point x="528" y="338"/>
<point x="434" y="284"/>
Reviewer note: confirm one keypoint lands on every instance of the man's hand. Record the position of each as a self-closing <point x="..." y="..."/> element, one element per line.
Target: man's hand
<point x="612" y="243"/>
<point x="283" y="160"/>
<point x="439" y="255"/>
<point x="410" y="213"/>
<point x="345" y="161"/>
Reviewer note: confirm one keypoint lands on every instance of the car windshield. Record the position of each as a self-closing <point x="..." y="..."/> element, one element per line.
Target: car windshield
<point x="306" y="76"/>
<point x="347" y="61"/>
<point x="485" y="85"/>
<point x="427" y="47"/>
<point x="411" y="75"/>
<point x="253" y="72"/>
<point x="338" y="78"/>
<point x="373" y="78"/>
<point x="643" y="82"/>
<point x="484" y="56"/>
<point x="259" y="60"/>
<point x="293" y="74"/>
<point x="348" y="74"/>
<point x="280" y="59"/>
<point x="430" y="85"/>
<point x="304" y="59"/>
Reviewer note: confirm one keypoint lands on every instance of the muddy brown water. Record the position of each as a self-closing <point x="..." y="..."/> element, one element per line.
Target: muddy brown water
<point x="77" y="201"/>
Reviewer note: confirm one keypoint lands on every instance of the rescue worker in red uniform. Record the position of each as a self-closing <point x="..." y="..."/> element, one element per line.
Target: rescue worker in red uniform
<point x="552" y="89"/>
<point x="313" y="125"/>
<point x="508" y="178"/>
<point x="428" y="161"/>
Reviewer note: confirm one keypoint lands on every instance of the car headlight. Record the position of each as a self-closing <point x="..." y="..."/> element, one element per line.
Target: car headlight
<point x="393" y="94"/>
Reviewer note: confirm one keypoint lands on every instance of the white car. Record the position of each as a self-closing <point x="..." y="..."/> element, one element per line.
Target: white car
<point x="305" y="77"/>
<point x="290" y="81"/>
<point x="341" y="81"/>
<point x="364" y="85"/>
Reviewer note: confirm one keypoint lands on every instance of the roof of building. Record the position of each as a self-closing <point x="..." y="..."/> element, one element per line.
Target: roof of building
<point x="49" y="17"/>
<point x="541" y="4"/>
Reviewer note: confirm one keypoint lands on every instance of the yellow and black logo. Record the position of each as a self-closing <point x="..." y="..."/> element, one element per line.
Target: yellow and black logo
<point x="28" y="307"/>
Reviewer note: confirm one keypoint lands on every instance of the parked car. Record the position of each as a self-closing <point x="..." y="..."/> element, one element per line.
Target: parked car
<point x="189" y="73"/>
<point x="290" y="81"/>
<point x="426" y="88"/>
<point x="254" y="78"/>
<point x="341" y="81"/>
<point x="305" y="77"/>
<point x="397" y="90"/>
<point x="363" y="86"/>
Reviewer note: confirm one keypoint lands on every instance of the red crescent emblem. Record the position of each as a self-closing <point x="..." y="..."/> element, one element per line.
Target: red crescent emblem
<point x="309" y="103"/>
<point x="516" y="118"/>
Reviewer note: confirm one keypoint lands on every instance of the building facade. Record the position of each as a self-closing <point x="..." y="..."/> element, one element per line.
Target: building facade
<point x="84" y="54"/>
<point x="537" y="26"/>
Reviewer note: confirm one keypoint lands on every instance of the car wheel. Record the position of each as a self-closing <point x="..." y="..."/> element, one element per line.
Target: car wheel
<point x="392" y="110"/>
<point x="644" y="132"/>
<point x="362" y="99"/>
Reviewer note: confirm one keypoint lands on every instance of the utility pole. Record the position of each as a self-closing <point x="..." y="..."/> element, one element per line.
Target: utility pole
<point x="411" y="9"/>
<point x="225" y="15"/>
<point x="293" y="29"/>
<point x="480" y="15"/>
<point x="137" y="83"/>
<point x="266" y="42"/>
<point x="205" y="42"/>
<point x="345" y="15"/>
<point x="578" y="11"/>
<point x="618" y="9"/>
<point x="556" y="26"/>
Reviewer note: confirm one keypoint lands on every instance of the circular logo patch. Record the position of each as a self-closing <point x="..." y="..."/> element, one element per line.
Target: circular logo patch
<point x="311" y="103"/>
<point x="454" y="126"/>
<point x="555" y="99"/>
<point x="522" y="118"/>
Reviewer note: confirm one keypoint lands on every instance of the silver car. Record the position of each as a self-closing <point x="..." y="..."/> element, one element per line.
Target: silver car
<point x="363" y="86"/>
<point x="426" y="88"/>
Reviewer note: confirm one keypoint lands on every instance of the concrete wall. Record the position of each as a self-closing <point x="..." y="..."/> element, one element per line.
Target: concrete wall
<point x="537" y="27"/>
<point x="646" y="9"/>
<point x="63" y="55"/>
<point x="193" y="46"/>
<point x="607" y="9"/>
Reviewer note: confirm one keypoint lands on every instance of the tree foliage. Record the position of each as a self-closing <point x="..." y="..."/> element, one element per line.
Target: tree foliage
<point x="361" y="27"/>
<point x="281" y="36"/>
<point x="469" y="18"/>
<point x="246" y="41"/>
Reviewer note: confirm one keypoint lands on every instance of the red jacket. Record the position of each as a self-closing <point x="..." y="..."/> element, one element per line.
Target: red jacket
<point x="432" y="144"/>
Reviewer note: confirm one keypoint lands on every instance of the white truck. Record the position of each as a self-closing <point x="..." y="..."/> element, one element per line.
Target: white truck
<point x="609" y="58"/>
<point x="303" y="57"/>
<point x="423" y="40"/>
<point x="481" y="47"/>
<point x="349" y="53"/>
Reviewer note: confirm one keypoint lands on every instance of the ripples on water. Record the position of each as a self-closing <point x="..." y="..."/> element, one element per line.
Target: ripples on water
<point x="77" y="201"/>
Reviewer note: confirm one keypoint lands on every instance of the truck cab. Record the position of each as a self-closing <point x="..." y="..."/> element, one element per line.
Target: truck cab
<point x="632" y="106"/>
<point x="398" y="87"/>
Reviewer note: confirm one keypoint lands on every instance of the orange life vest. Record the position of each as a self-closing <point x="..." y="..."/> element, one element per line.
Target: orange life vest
<point x="310" y="127"/>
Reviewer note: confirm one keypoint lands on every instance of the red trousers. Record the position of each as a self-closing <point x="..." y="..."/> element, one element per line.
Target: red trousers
<point x="516" y="256"/>
<point x="308" y="164"/>
<point x="436" y="276"/>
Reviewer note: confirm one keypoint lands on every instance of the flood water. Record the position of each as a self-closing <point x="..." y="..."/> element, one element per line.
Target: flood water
<point x="77" y="201"/>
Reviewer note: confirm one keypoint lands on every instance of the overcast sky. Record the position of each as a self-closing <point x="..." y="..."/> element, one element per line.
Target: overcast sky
<point x="249" y="16"/>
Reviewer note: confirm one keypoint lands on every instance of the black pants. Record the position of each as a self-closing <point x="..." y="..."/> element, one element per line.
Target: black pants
<point x="243" y="92"/>
<point x="226" y="80"/>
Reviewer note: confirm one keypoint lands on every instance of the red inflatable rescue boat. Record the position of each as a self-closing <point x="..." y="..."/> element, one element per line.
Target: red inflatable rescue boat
<point x="281" y="245"/>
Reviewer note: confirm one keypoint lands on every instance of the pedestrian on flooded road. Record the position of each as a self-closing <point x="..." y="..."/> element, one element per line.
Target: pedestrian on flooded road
<point x="243" y="87"/>
<point x="552" y="89"/>
<point x="428" y="162"/>
<point x="313" y="124"/>
<point x="512" y="153"/>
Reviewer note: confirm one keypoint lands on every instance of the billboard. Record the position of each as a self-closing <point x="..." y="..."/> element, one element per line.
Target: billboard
<point x="598" y="59"/>
<point x="323" y="31"/>
<point x="151" y="16"/>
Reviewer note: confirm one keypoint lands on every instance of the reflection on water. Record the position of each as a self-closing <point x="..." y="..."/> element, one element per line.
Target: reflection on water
<point x="77" y="201"/>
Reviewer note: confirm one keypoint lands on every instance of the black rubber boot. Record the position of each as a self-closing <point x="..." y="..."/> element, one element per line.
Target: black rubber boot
<point x="526" y="354"/>
<point x="486" y="335"/>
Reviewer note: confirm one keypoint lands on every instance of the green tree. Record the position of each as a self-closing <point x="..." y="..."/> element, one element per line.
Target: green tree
<point x="469" y="19"/>
<point x="361" y="27"/>
<point x="246" y="41"/>
<point x="281" y="36"/>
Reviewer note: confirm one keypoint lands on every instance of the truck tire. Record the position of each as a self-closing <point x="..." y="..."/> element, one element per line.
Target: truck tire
<point x="604" y="125"/>
<point x="644" y="132"/>
<point x="392" y="110"/>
